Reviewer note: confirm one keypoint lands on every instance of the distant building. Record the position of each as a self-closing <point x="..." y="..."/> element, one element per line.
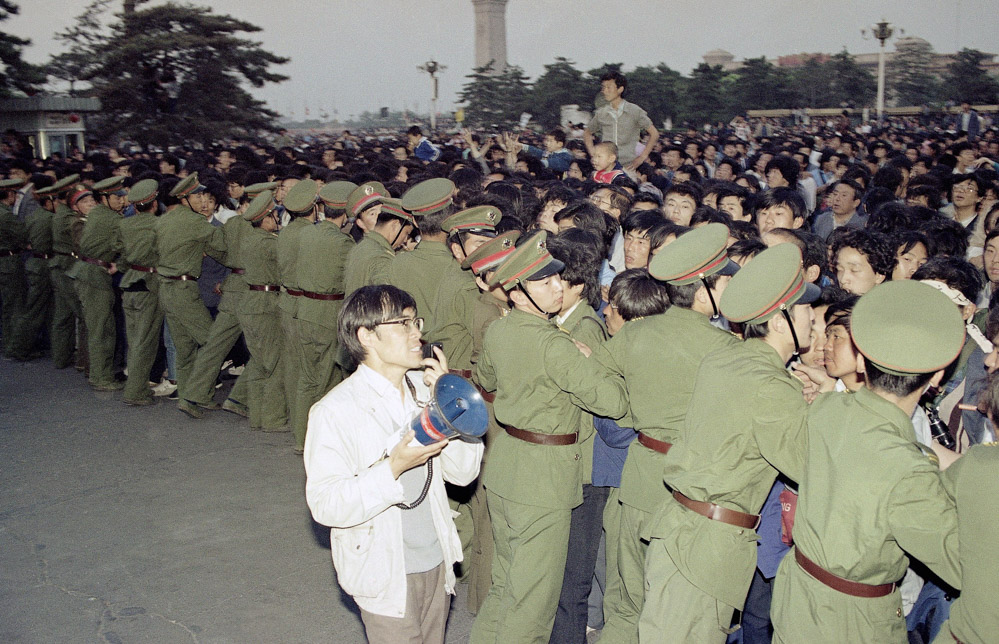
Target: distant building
<point x="52" y="124"/>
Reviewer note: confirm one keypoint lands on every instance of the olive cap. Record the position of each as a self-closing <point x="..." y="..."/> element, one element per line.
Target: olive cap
<point x="255" y="189"/>
<point x="143" y="192"/>
<point x="336" y="193"/>
<point x="261" y="206"/>
<point x="364" y="196"/>
<point x="302" y="196"/>
<point x="530" y="261"/>
<point x="188" y="186"/>
<point x="10" y="184"/>
<point x="480" y="220"/>
<point x="429" y="196"/>
<point x="906" y="327"/>
<point x="394" y="207"/>
<point x="65" y="184"/>
<point x="109" y="185"/>
<point x="492" y="253"/>
<point x="694" y="255"/>
<point x="770" y="282"/>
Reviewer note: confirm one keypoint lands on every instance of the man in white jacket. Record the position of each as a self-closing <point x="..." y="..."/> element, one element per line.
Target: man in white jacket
<point x="393" y="540"/>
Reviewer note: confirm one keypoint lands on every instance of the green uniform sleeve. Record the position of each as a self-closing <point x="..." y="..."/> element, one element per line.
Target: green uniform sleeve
<point x="591" y="386"/>
<point x="923" y="520"/>
<point x="216" y="243"/>
<point x="485" y="373"/>
<point x="779" y="425"/>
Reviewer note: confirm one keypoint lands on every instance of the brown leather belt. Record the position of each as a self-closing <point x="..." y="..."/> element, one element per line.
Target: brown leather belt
<point x="326" y="297"/>
<point x="654" y="444"/>
<point x="542" y="439"/>
<point x="239" y="271"/>
<point x="718" y="513"/>
<point x="95" y="261"/>
<point x="142" y="269"/>
<point x="180" y="278"/>
<point x="269" y="288"/>
<point x="489" y="397"/>
<point x="845" y="586"/>
<point x="464" y="373"/>
<point x="293" y="292"/>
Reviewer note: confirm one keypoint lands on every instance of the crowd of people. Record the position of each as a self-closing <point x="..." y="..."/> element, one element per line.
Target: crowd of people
<point x="737" y="384"/>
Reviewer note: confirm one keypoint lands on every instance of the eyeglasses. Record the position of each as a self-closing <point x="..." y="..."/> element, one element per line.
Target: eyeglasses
<point x="966" y="189"/>
<point x="410" y="323"/>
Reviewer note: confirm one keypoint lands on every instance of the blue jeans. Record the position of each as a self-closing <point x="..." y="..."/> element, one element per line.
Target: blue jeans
<point x="931" y="610"/>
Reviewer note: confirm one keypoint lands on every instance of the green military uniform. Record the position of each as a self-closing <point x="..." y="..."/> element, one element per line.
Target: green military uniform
<point x="66" y="309"/>
<point x="37" y="310"/>
<point x="658" y="398"/>
<point x="140" y="293"/>
<point x="369" y="260"/>
<point x="487" y="309"/>
<point x="973" y="483"/>
<point x="225" y="330"/>
<point x="100" y="246"/>
<point x="183" y="237"/>
<point x="260" y="317"/>
<point x="420" y="271"/>
<point x="870" y="497"/>
<point x="542" y="383"/>
<point x="322" y="260"/>
<point x="744" y="423"/>
<point x="13" y="240"/>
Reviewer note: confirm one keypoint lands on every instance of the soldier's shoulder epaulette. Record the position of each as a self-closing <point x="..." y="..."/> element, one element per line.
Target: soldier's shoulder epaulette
<point x="929" y="453"/>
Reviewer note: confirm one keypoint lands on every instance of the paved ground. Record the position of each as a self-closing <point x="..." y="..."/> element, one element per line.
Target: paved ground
<point x="122" y="524"/>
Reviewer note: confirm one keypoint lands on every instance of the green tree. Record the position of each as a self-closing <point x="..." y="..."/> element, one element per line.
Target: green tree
<point x="909" y="74"/>
<point x="16" y="75"/>
<point x="849" y="84"/>
<point x="561" y="84"/>
<point x="495" y="101"/>
<point x="83" y="38"/>
<point x="967" y="80"/>
<point x="810" y="82"/>
<point x="656" y="90"/>
<point x="759" y="85"/>
<point x="704" y="98"/>
<point x="175" y="73"/>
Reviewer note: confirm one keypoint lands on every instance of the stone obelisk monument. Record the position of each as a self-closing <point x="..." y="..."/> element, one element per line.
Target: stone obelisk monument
<point x="490" y="33"/>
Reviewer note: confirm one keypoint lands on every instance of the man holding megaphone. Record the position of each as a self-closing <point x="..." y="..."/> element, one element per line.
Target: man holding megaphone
<point x="381" y="490"/>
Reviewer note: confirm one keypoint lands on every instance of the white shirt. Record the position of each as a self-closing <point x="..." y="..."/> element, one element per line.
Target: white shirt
<point x="349" y="486"/>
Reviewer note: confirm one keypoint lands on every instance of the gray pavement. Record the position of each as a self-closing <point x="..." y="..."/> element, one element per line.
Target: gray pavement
<point x="122" y="524"/>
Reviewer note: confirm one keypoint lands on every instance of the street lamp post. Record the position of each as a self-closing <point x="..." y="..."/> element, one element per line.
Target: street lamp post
<point x="882" y="31"/>
<point x="432" y="67"/>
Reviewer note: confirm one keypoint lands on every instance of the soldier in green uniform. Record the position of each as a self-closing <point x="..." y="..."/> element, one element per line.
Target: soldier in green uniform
<point x="13" y="240"/>
<point x="491" y="305"/>
<point x="140" y="290"/>
<point x="322" y="259"/>
<point x="260" y="314"/>
<point x="973" y="483"/>
<point x="183" y="237"/>
<point x="419" y="272"/>
<point x="543" y="382"/>
<point x="369" y="261"/>
<point x="38" y="297"/>
<point x="225" y="329"/>
<point x="66" y="309"/>
<point x="870" y="496"/>
<point x="100" y="246"/>
<point x="301" y="205"/>
<point x="696" y="271"/>
<point x="702" y="541"/>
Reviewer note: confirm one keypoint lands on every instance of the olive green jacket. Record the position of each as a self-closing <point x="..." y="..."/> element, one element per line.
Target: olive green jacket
<point x="322" y="262"/>
<point x="543" y="383"/>
<point x="658" y="357"/>
<point x="100" y="239"/>
<point x="13" y="237"/>
<point x="62" y="237"/>
<point x="419" y="272"/>
<point x="454" y="315"/>
<point x="368" y="262"/>
<point x="287" y="255"/>
<point x="183" y="237"/>
<point x="138" y="237"/>
<point x="258" y="250"/>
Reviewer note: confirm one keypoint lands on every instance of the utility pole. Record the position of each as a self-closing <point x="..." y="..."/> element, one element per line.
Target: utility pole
<point x="432" y="67"/>
<point x="882" y="31"/>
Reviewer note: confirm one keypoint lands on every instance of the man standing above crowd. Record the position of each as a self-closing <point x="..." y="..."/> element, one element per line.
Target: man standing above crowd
<point x="621" y="123"/>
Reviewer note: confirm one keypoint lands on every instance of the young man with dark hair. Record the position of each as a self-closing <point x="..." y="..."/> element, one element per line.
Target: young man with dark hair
<point x="681" y="200"/>
<point x="636" y="245"/>
<point x="782" y="172"/>
<point x="862" y="260"/>
<point x="779" y="208"/>
<point x="394" y="547"/>
<point x="621" y="123"/>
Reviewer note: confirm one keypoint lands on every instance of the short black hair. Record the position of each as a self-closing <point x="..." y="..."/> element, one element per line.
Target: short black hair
<point x="618" y="78"/>
<point x="874" y="246"/>
<point x="787" y="166"/>
<point x="955" y="272"/>
<point x="414" y="130"/>
<point x="366" y="308"/>
<point x="581" y="251"/>
<point x="947" y="237"/>
<point x="900" y="386"/>
<point x="637" y="294"/>
<point x="640" y="220"/>
<point x="783" y="196"/>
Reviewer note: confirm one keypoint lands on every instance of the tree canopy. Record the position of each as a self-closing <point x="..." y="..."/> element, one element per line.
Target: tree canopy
<point x="169" y="73"/>
<point x="966" y="79"/>
<point x="16" y="75"/>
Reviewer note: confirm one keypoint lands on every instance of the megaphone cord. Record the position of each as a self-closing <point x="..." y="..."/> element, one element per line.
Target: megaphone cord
<point x="423" y="493"/>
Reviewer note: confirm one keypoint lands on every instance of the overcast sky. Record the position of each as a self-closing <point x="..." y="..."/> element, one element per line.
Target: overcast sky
<point x="356" y="55"/>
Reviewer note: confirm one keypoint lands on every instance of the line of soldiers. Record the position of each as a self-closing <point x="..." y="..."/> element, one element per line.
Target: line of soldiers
<point x="716" y="417"/>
